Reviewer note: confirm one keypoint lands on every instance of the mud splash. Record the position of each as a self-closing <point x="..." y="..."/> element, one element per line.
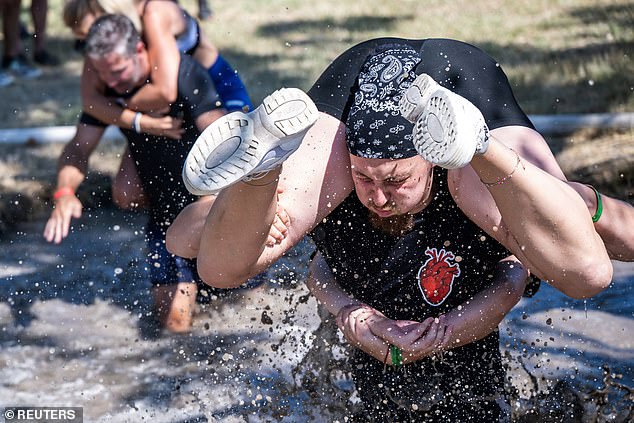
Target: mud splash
<point x="76" y="330"/>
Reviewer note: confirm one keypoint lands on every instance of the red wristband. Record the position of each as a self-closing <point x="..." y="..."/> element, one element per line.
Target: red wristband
<point x="62" y="192"/>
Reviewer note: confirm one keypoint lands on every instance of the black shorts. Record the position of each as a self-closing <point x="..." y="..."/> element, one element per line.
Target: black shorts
<point x="457" y="66"/>
<point x="164" y="268"/>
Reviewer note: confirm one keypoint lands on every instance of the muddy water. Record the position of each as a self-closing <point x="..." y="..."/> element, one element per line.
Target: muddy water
<point x="76" y="329"/>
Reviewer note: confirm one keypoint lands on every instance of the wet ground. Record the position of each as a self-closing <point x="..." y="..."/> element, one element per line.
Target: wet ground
<point x="76" y="329"/>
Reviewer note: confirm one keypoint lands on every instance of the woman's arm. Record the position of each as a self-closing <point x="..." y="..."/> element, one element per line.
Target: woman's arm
<point x="163" y="54"/>
<point x="154" y="97"/>
<point x="95" y="102"/>
<point x="108" y="111"/>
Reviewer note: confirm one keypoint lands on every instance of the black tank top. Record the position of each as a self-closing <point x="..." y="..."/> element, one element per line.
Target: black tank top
<point x="439" y="264"/>
<point x="435" y="267"/>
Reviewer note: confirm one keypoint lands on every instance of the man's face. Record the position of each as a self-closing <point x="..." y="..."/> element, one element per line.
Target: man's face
<point x="391" y="187"/>
<point x="121" y="72"/>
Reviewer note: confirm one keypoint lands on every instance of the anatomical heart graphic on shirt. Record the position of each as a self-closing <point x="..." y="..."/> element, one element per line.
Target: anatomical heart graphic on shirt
<point x="436" y="276"/>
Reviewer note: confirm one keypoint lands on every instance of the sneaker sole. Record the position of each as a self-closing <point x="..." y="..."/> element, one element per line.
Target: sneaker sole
<point x="437" y="132"/>
<point x="412" y="103"/>
<point x="233" y="146"/>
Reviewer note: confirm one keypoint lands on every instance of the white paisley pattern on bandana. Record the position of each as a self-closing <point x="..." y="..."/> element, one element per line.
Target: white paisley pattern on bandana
<point x="375" y="127"/>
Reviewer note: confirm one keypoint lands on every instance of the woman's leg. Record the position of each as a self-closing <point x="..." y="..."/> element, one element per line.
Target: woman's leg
<point x="183" y="235"/>
<point x="616" y="221"/>
<point x="229" y="86"/>
<point x="548" y="221"/>
<point x="537" y="216"/>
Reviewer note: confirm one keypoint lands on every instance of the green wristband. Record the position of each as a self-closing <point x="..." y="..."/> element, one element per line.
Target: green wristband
<point x="599" y="212"/>
<point x="397" y="356"/>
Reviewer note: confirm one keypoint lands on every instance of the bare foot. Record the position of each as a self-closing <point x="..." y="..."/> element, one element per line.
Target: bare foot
<point x="175" y="306"/>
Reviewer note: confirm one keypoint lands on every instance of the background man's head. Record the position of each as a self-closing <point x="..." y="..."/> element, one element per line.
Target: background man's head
<point x="115" y="49"/>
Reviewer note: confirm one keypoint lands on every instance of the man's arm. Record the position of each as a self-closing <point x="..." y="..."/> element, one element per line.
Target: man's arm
<point x="483" y="313"/>
<point x="108" y="111"/>
<point x="233" y="242"/>
<point x="359" y="322"/>
<point x="322" y="284"/>
<point x="72" y="167"/>
<point x="369" y="330"/>
<point x="469" y="322"/>
<point x="95" y="102"/>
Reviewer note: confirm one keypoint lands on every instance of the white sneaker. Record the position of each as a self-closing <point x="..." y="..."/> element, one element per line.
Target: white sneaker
<point x="448" y="129"/>
<point x="20" y="67"/>
<point x="412" y="103"/>
<point x="242" y="146"/>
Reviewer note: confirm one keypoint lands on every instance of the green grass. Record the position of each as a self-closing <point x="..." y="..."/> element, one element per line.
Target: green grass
<point x="561" y="56"/>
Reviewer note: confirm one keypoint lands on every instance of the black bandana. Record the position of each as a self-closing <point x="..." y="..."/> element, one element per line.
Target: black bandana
<point x="375" y="128"/>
